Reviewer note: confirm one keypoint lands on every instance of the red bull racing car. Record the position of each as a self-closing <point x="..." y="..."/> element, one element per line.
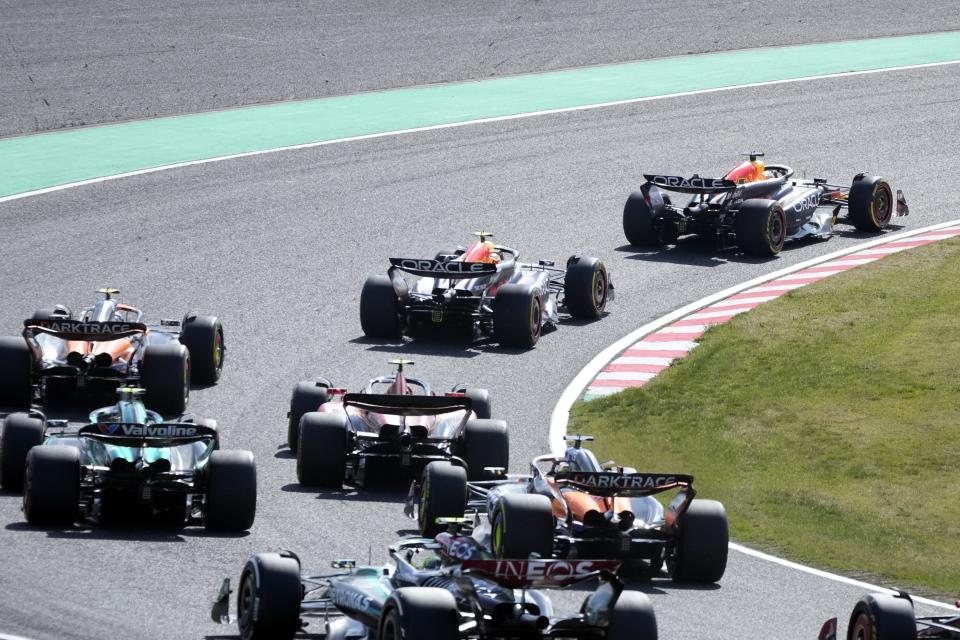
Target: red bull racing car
<point x="485" y="291"/>
<point x="394" y="422"/>
<point x="757" y="206"/>
<point x="106" y="346"/>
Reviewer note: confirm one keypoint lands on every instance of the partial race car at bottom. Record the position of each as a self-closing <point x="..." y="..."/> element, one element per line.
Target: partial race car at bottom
<point x="127" y="461"/>
<point x="890" y="616"/>
<point x="425" y="593"/>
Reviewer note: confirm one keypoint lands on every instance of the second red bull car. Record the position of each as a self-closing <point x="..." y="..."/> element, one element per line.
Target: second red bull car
<point x="485" y="291"/>
<point x="757" y="206"/>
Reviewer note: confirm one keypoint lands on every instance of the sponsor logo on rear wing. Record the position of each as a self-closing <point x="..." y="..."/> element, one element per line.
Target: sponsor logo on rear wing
<point x="696" y="184"/>
<point x="516" y="574"/>
<point x="407" y="405"/>
<point x="613" y="483"/>
<point x="79" y="330"/>
<point x="451" y="270"/>
<point x="166" y="431"/>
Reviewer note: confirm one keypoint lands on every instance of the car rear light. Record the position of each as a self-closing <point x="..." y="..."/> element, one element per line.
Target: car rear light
<point x="336" y="391"/>
<point x="451" y="394"/>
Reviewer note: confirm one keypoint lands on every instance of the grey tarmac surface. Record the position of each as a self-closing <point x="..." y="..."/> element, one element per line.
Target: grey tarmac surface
<point x="279" y="246"/>
<point x="66" y="64"/>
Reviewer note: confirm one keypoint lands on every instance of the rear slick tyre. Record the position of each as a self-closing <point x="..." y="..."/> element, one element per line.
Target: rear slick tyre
<point x="51" y="492"/>
<point x="322" y="454"/>
<point x="517" y="316"/>
<point x="379" y="308"/>
<point x="522" y="526"/>
<point x="21" y="433"/>
<point x="231" y="496"/>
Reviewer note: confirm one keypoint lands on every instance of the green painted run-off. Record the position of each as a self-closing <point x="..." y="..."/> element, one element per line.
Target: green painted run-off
<point x="34" y="162"/>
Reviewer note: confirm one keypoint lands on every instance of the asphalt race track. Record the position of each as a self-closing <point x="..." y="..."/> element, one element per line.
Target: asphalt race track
<point x="279" y="246"/>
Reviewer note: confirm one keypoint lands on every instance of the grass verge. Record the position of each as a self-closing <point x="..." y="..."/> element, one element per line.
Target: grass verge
<point x="827" y="421"/>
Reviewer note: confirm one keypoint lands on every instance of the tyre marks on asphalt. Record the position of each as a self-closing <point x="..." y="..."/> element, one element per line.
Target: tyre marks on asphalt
<point x="644" y="359"/>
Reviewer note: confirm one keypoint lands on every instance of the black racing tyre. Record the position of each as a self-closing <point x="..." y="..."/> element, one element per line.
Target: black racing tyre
<point x="761" y="227"/>
<point x="269" y="596"/>
<point x="882" y="616"/>
<point x="870" y="205"/>
<point x="231" y="492"/>
<point x="16" y="387"/>
<point x="21" y="432"/>
<point x="51" y="492"/>
<point x="700" y="554"/>
<point x="322" y="452"/>
<point x="379" y="308"/>
<point x="523" y="525"/>
<point x="307" y="396"/>
<point x="641" y="209"/>
<point x="203" y="338"/>
<point x="165" y="374"/>
<point x="480" y="401"/>
<point x="443" y="493"/>
<point x="517" y="316"/>
<point x="586" y="288"/>
<point x="485" y="444"/>
<point x="632" y="618"/>
<point x="420" y="613"/>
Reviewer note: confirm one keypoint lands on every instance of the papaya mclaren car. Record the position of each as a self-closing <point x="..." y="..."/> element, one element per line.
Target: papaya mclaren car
<point x="758" y="206"/>
<point x="427" y="592"/>
<point x="890" y="616"/>
<point x="395" y="422"/>
<point x="127" y="461"/>
<point x="106" y="346"/>
<point x="571" y="506"/>
<point x="485" y="291"/>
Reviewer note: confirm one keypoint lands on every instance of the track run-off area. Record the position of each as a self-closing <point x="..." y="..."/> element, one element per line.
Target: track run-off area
<point x="278" y="245"/>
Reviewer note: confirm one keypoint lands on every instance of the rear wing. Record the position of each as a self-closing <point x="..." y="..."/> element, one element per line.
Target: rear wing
<point x="450" y="270"/>
<point x="612" y="483"/>
<point x="522" y="574"/>
<point x="68" y="329"/>
<point x="398" y="405"/>
<point x="696" y="184"/>
<point x="164" y="434"/>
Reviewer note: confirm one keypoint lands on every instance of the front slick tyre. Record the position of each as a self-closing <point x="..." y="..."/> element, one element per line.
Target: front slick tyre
<point x="203" y="338"/>
<point x="882" y="616"/>
<point x="585" y="288"/>
<point x="268" y="600"/>
<point x="443" y="494"/>
<point x="420" y="613"/>
<point x="517" y="316"/>
<point x="870" y="204"/>
<point x="523" y="525"/>
<point x="761" y="227"/>
<point x="632" y="618"/>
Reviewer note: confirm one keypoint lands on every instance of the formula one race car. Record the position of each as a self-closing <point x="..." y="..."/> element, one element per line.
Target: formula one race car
<point x="394" y="420"/>
<point x="758" y="205"/>
<point x="428" y="593"/>
<point x="106" y="346"/>
<point x="574" y="507"/>
<point x="127" y="460"/>
<point x="885" y="616"/>
<point x="484" y="290"/>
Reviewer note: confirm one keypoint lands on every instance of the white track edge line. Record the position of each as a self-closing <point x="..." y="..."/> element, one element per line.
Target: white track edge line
<point x="561" y="411"/>
<point x="832" y="576"/>
<point x="464" y="123"/>
<point x="7" y="636"/>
